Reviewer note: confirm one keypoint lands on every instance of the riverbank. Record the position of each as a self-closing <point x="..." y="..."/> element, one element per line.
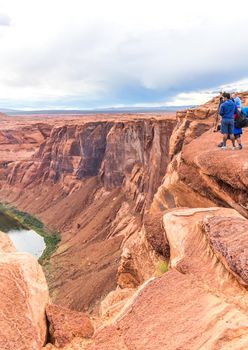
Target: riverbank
<point x="29" y="222"/>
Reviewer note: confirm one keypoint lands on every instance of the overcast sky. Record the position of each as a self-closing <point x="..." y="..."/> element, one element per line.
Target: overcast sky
<point x="96" y="53"/>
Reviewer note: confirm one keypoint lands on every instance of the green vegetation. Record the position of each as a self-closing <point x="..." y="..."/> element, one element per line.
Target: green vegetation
<point x="161" y="268"/>
<point x="29" y="222"/>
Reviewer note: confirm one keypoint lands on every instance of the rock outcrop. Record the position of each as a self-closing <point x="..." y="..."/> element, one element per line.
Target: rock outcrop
<point x="23" y="298"/>
<point x="65" y="325"/>
<point x="200" y="174"/>
<point x="199" y="303"/>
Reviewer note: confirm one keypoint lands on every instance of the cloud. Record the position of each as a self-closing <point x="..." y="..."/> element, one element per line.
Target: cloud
<point x="4" y="20"/>
<point x="86" y="54"/>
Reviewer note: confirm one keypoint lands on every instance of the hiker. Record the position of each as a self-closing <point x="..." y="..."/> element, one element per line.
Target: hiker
<point x="237" y="131"/>
<point x="216" y="121"/>
<point x="237" y="101"/>
<point x="244" y="110"/>
<point x="227" y="110"/>
<point x="221" y="100"/>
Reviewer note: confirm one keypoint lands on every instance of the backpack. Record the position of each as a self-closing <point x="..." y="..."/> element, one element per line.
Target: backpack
<point x="241" y="120"/>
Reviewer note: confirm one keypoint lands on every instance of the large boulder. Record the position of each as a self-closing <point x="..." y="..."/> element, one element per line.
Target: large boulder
<point x="66" y="324"/>
<point x="23" y="298"/>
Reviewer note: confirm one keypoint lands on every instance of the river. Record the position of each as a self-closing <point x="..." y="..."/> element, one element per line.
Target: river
<point x="24" y="240"/>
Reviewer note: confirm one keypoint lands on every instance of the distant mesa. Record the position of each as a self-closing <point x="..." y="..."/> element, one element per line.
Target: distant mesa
<point x="94" y="111"/>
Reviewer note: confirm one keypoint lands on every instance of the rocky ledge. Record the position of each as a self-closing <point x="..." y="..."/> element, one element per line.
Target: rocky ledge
<point x="200" y="303"/>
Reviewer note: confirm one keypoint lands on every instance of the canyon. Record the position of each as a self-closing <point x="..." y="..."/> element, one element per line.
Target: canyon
<point x="130" y="196"/>
<point x="92" y="181"/>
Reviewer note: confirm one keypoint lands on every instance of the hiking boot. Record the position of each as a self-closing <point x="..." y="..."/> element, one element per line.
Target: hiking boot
<point x="240" y="146"/>
<point x="233" y="148"/>
<point x="220" y="144"/>
<point x="223" y="147"/>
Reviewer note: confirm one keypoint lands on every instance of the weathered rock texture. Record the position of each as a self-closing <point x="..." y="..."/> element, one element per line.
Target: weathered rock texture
<point x="23" y="298"/>
<point x="105" y="184"/>
<point x="6" y="245"/>
<point x="92" y="179"/>
<point x="65" y="325"/>
<point x="199" y="303"/>
<point x="200" y="174"/>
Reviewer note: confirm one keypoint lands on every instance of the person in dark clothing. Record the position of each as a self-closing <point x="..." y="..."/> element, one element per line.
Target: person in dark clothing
<point x="237" y="101"/>
<point x="216" y="121"/>
<point x="237" y="134"/>
<point x="227" y="110"/>
<point x="237" y="131"/>
<point x="221" y="99"/>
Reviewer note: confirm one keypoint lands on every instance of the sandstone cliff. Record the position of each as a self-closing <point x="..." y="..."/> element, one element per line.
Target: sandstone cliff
<point x="105" y="185"/>
<point x="104" y="182"/>
<point x="92" y="181"/>
<point x="200" y="174"/>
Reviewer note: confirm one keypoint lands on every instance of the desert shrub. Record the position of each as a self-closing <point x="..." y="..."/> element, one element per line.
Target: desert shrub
<point x="161" y="268"/>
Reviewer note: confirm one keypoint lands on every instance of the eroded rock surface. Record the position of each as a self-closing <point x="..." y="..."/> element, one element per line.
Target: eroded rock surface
<point x="228" y="238"/>
<point x="6" y="245"/>
<point x="23" y="298"/>
<point x="199" y="303"/>
<point x="105" y="184"/>
<point x="201" y="174"/>
<point x="65" y="325"/>
<point x="92" y="179"/>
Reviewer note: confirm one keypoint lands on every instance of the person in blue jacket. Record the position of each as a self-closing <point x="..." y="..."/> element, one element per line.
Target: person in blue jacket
<point x="237" y="131"/>
<point x="227" y="110"/>
<point x="237" y="101"/>
<point x="244" y="110"/>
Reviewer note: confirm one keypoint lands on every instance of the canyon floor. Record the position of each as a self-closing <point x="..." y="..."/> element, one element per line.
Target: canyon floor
<point x="152" y="217"/>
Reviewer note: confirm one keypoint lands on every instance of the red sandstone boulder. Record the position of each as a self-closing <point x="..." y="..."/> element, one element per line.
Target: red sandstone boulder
<point x="66" y="324"/>
<point x="228" y="239"/>
<point x="23" y="298"/>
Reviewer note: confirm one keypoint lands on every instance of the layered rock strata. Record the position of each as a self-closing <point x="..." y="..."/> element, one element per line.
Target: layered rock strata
<point x="92" y="180"/>
<point x="201" y="174"/>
